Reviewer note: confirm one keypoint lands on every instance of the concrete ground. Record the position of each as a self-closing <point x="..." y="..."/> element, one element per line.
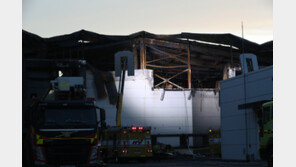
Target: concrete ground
<point x="189" y="163"/>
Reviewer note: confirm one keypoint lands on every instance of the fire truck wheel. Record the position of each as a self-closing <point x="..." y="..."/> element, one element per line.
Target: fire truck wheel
<point x="116" y="159"/>
<point x="270" y="160"/>
<point x="142" y="160"/>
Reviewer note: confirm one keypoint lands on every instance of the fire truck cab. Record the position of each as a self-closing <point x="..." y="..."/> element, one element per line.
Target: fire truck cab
<point x="63" y="126"/>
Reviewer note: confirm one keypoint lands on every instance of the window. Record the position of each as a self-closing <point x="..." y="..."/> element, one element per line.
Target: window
<point x="67" y="117"/>
<point x="249" y="64"/>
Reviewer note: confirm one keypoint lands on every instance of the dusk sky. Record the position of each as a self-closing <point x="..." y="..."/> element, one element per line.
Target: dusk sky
<point x="48" y="18"/>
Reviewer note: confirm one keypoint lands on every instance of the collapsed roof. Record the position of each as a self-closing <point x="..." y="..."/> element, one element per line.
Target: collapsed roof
<point x="169" y="56"/>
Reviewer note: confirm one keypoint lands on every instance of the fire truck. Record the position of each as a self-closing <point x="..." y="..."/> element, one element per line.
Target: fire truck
<point x="125" y="143"/>
<point x="63" y="126"/>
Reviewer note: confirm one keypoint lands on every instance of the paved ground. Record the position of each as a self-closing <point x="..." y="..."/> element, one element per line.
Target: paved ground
<point x="189" y="163"/>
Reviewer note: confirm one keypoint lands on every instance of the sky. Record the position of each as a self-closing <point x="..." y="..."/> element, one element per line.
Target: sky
<point x="48" y="18"/>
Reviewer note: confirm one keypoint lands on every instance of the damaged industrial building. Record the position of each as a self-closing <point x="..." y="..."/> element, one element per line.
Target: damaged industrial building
<point x="181" y="87"/>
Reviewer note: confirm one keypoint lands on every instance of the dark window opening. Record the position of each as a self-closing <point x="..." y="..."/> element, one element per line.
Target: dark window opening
<point x="249" y="64"/>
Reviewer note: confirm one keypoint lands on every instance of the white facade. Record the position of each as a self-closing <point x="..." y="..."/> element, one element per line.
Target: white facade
<point x="143" y="106"/>
<point x="239" y="127"/>
<point x="206" y="111"/>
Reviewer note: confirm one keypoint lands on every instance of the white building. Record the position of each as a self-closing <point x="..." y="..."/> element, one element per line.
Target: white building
<point x="239" y="123"/>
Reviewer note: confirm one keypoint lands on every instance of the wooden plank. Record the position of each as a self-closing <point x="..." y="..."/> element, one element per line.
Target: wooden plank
<point x="216" y="51"/>
<point x="166" y="80"/>
<point x="135" y="55"/>
<point x="157" y="66"/>
<point x="177" y="74"/>
<point x="189" y="67"/>
<point x="160" y="83"/>
<point x="142" y="54"/>
<point x="182" y="59"/>
<point x="210" y="64"/>
<point x="178" y="86"/>
<point x="165" y="43"/>
<point x="160" y="77"/>
<point x="157" y="60"/>
<point x="162" y="54"/>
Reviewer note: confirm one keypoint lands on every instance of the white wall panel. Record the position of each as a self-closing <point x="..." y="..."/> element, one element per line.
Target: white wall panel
<point x="239" y="131"/>
<point x="206" y="111"/>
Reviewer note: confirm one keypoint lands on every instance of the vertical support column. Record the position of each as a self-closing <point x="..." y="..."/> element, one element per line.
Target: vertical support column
<point x="135" y="54"/>
<point x="231" y="61"/>
<point x="189" y="66"/>
<point x="142" y="53"/>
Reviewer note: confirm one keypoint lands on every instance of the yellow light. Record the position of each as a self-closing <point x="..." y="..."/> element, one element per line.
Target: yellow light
<point x="210" y="130"/>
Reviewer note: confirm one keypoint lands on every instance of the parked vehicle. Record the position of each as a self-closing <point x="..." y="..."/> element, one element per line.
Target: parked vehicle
<point x="63" y="127"/>
<point x="266" y="133"/>
<point x="125" y="143"/>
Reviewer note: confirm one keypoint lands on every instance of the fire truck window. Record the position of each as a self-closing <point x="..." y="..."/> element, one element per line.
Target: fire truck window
<point x="68" y="117"/>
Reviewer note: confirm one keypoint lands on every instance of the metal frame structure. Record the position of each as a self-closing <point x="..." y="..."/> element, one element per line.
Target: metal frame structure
<point x="185" y="62"/>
